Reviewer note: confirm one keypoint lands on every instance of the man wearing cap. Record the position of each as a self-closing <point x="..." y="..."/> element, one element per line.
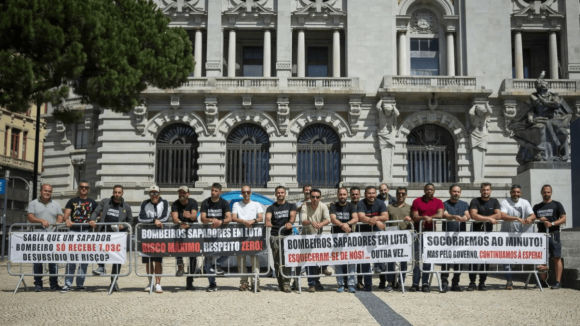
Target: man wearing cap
<point x="154" y="210"/>
<point x="398" y="211"/>
<point x="215" y="211"/>
<point x="47" y="212"/>
<point x="113" y="210"/>
<point x="248" y="212"/>
<point x="184" y="211"/>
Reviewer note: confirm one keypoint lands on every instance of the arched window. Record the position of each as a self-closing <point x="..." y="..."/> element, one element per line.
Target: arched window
<point x="248" y="156"/>
<point x="430" y="155"/>
<point x="176" y="159"/>
<point x="319" y="157"/>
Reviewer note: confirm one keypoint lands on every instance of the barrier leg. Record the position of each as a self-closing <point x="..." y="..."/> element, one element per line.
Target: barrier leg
<point x="538" y="280"/>
<point x="300" y="283"/>
<point x="439" y="280"/>
<point x="18" y="285"/>
<point x="113" y="284"/>
<point x="527" y="281"/>
<point x="151" y="285"/>
<point x="402" y="281"/>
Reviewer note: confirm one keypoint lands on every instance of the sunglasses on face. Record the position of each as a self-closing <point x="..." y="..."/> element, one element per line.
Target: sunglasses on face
<point x="315" y="197"/>
<point x="401" y="194"/>
<point x="246" y="192"/>
<point x="83" y="187"/>
<point x="153" y="194"/>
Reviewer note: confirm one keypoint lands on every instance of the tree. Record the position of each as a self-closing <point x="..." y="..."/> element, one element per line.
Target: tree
<point x="108" y="51"/>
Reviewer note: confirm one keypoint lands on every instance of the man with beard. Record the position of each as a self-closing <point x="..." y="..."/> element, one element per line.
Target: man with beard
<point x="388" y="200"/>
<point x="183" y="211"/>
<point x="215" y="211"/>
<point x="354" y="199"/>
<point x="280" y="215"/>
<point x="315" y="217"/>
<point x="486" y="211"/>
<point x="518" y="217"/>
<point x="552" y="215"/>
<point x="398" y="211"/>
<point x="456" y="213"/>
<point x="343" y="215"/>
<point x="113" y="210"/>
<point x="373" y="212"/>
<point x="425" y="208"/>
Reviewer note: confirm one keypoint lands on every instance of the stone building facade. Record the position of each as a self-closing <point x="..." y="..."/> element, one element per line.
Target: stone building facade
<point x="332" y="93"/>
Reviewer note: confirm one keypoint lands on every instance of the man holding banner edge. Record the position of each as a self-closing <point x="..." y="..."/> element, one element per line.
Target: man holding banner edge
<point x="344" y="215"/>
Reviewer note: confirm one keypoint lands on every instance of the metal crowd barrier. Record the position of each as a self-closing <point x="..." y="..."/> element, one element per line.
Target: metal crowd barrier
<point x="62" y="228"/>
<point x="397" y="271"/>
<point x="201" y="257"/>
<point x="469" y="229"/>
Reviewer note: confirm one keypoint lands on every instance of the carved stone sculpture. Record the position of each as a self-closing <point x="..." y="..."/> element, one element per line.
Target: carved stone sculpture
<point x="140" y="113"/>
<point x="388" y="115"/>
<point x="541" y="130"/>
<point x="283" y="113"/>
<point x="211" y="114"/>
<point x="478" y="135"/>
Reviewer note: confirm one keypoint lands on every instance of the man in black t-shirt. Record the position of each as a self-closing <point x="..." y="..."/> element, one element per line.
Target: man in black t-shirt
<point x="551" y="213"/>
<point x="215" y="210"/>
<point x="373" y="212"/>
<point x="77" y="216"/>
<point x="344" y="215"/>
<point x="184" y="211"/>
<point x="280" y="215"/>
<point x="486" y="210"/>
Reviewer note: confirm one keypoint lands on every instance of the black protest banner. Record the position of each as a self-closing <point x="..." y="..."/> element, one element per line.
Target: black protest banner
<point x="197" y="240"/>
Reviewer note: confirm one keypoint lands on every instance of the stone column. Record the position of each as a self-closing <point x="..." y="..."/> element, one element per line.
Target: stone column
<point x="450" y="54"/>
<point x="519" y="55"/>
<point x="301" y="54"/>
<point x="553" y="56"/>
<point x="267" y="53"/>
<point x="198" y="54"/>
<point x="232" y="54"/>
<point x="9" y="142"/>
<point x="336" y="53"/>
<point x="20" y="147"/>
<point x="403" y="60"/>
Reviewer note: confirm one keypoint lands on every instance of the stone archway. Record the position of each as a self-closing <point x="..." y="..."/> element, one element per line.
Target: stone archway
<point x="320" y="116"/>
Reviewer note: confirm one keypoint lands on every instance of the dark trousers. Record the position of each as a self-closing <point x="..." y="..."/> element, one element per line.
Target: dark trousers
<point x="445" y="276"/>
<point x="37" y="268"/>
<point x="191" y="269"/>
<point x="482" y="276"/>
<point x="417" y="274"/>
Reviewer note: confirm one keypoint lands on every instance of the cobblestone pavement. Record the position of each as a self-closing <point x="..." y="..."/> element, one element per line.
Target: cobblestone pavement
<point x="229" y="306"/>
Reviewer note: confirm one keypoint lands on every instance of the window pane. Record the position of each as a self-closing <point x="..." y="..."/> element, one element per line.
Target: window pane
<point x="317" y="62"/>
<point x="425" y="57"/>
<point x="253" y="61"/>
<point x="253" y="71"/>
<point x="317" y="71"/>
<point x="414" y="44"/>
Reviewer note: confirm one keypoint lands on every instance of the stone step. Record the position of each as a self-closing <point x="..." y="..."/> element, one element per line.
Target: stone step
<point x="570" y="252"/>
<point x="569" y="235"/>
<point x="572" y="262"/>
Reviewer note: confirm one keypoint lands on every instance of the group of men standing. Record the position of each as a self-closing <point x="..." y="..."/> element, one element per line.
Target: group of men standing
<point x="366" y="215"/>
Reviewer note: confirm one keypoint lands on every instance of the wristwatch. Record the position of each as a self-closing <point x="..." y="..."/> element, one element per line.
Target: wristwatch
<point x="553" y="224"/>
<point x="348" y="223"/>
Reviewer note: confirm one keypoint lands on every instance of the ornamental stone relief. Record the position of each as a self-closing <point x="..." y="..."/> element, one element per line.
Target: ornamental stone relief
<point x="424" y="21"/>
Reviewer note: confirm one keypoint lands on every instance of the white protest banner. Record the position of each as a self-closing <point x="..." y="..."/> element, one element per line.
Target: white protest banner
<point x="479" y="248"/>
<point x="73" y="247"/>
<point x="348" y="248"/>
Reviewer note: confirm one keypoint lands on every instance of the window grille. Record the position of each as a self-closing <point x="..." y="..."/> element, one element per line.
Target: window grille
<point x="248" y="156"/>
<point x="319" y="157"/>
<point x="176" y="159"/>
<point x="430" y="155"/>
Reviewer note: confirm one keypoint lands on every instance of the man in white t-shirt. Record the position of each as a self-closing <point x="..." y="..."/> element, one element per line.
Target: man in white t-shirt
<point x="517" y="216"/>
<point x="247" y="212"/>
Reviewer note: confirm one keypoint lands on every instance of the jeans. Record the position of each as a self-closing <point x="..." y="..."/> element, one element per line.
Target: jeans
<point x="312" y="270"/>
<point x="37" y="268"/>
<point x="368" y="279"/>
<point x="279" y="261"/>
<point x="209" y="265"/>
<point x="445" y="276"/>
<point x="416" y="270"/>
<point x="70" y="268"/>
<point x="342" y="269"/>
<point x="191" y="270"/>
<point x="508" y="268"/>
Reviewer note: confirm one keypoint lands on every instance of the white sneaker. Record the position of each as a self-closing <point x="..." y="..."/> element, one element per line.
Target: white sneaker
<point x="147" y="288"/>
<point x="158" y="288"/>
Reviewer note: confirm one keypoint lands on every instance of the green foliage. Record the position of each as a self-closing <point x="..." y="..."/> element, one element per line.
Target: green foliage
<point x="108" y="50"/>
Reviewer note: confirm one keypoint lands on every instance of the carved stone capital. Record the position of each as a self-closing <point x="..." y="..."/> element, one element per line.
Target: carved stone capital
<point x="354" y="112"/>
<point x="140" y="113"/>
<point x="174" y="102"/>
<point x="247" y="102"/>
<point x="510" y="108"/>
<point x="283" y="113"/>
<point x="211" y="114"/>
<point x="319" y="102"/>
<point x="284" y="65"/>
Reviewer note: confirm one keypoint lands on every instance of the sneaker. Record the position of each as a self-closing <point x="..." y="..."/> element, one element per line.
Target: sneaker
<point x="56" y="288"/>
<point x="319" y="286"/>
<point x="294" y="286"/>
<point x="389" y="288"/>
<point x="81" y="288"/>
<point x="340" y="289"/>
<point x="482" y="287"/>
<point x="147" y="288"/>
<point x="351" y="289"/>
<point x="311" y="289"/>
<point x="116" y="287"/>
<point x="212" y="288"/>
<point x="556" y="286"/>
<point x="425" y="288"/>
<point x="397" y="285"/>
<point x="360" y="286"/>
<point x="544" y="285"/>
<point x="377" y="269"/>
<point x="99" y="271"/>
<point x="456" y="288"/>
<point x="190" y="287"/>
<point x="158" y="288"/>
<point x="471" y="287"/>
<point x="244" y="287"/>
<point x="219" y="270"/>
<point x="381" y="285"/>
<point x="37" y="288"/>
<point x="179" y="270"/>
<point x="66" y="289"/>
<point x="286" y="289"/>
<point x="509" y="285"/>
<point x="414" y="288"/>
<point x="444" y="287"/>
<point x="368" y="288"/>
<point x="326" y="272"/>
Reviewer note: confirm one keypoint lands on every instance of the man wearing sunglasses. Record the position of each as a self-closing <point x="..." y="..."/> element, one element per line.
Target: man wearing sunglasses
<point x="398" y="211"/>
<point x="248" y="213"/>
<point x="154" y="210"/>
<point x="184" y="211"/>
<point x="77" y="216"/>
<point x="315" y="216"/>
